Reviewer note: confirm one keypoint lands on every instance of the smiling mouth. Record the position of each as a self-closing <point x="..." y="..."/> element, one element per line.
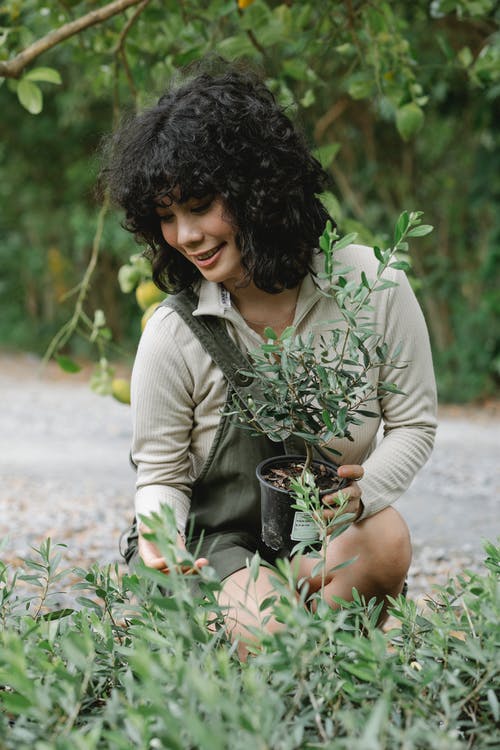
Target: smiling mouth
<point x="208" y="254"/>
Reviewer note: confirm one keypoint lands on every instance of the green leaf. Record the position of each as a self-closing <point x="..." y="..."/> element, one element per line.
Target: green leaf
<point x="270" y="333"/>
<point x="493" y="701"/>
<point x="49" y="75"/>
<point x="67" y="364"/>
<point x="58" y="614"/>
<point x="361" y="86"/>
<point x="308" y="99"/>
<point x="327" y="420"/>
<point x="420" y="231"/>
<point x="14" y="703"/>
<point x="236" y="46"/>
<point x="409" y="120"/>
<point x="401" y="226"/>
<point x="345" y="241"/>
<point x="287" y="333"/>
<point x="465" y="57"/>
<point x="400" y="265"/>
<point x="386" y="284"/>
<point x="326" y="154"/>
<point x="298" y="69"/>
<point x="30" y="96"/>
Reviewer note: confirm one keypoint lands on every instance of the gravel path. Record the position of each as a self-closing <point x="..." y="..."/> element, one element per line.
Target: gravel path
<point x="65" y="474"/>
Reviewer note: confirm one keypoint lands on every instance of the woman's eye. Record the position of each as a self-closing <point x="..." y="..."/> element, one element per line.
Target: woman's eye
<point x="200" y="208"/>
<point x="166" y="218"/>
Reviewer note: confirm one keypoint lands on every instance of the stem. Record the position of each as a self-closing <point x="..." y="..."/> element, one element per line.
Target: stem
<point x="73" y="716"/>
<point x="120" y="52"/>
<point x="67" y="330"/>
<point x="308" y="461"/>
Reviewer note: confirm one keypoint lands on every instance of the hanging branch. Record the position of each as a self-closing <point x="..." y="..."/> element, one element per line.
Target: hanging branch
<point x="71" y="325"/>
<point x="119" y="50"/>
<point x="13" y="68"/>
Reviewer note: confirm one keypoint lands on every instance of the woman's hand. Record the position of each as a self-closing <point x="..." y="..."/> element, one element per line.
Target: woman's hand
<point x="352" y="492"/>
<point x="151" y="557"/>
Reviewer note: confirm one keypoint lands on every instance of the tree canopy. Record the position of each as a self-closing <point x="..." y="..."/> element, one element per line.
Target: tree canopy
<point x="401" y="101"/>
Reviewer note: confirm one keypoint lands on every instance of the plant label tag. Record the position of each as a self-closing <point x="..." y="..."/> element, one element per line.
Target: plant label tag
<point x="304" y="529"/>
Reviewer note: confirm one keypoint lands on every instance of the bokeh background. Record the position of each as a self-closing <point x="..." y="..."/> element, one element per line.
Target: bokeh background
<point x="401" y="101"/>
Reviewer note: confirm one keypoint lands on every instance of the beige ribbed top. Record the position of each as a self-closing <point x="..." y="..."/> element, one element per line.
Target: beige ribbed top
<point x="178" y="393"/>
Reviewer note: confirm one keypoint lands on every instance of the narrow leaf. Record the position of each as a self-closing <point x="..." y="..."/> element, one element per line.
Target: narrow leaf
<point x="58" y="614"/>
<point x="67" y="364"/>
<point x="401" y="226"/>
<point x="270" y="333"/>
<point x="400" y="265"/>
<point x="420" y="231"/>
<point x="14" y="703"/>
<point x="493" y="701"/>
<point x="287" y="333"/>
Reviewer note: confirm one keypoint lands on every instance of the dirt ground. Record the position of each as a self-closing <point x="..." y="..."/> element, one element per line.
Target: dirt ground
<point x="65" y="474"/>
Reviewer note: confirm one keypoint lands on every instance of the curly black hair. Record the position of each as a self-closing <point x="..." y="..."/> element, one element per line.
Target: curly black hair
<point x="222" y="133"/>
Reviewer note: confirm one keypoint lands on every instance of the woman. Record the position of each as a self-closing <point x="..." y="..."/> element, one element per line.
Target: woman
<point x="223" y="190"/>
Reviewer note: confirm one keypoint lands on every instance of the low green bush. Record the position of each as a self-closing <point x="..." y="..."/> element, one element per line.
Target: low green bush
<point x="130" y="665"/>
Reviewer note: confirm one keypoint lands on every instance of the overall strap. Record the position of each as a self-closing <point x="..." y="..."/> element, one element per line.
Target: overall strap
<point x="213" y="336"/>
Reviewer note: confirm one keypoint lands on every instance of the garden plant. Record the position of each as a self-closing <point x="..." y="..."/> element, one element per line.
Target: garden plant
<point x="314" y="389"/>
<point x="123" y="665"/>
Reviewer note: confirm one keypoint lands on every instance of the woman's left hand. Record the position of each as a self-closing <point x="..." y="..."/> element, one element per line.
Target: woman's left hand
<point x="352" y="491"/>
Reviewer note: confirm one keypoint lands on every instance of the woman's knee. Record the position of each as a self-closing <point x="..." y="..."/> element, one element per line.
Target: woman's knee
<point x="387" y="545"/>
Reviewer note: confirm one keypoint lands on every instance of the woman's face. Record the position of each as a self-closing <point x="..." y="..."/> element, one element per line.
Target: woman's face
<point x="199" y="230"/>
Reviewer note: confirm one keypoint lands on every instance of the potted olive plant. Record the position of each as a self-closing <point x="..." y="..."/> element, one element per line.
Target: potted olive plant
<point x="311" y="389"/>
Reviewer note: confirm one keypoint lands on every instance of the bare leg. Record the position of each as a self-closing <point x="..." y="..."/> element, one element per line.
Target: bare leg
<point x="241" y="599"/>
<point x="383" y="549"/>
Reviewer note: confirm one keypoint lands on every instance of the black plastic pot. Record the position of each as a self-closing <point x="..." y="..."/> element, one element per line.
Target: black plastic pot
<point x="282" y="525"/>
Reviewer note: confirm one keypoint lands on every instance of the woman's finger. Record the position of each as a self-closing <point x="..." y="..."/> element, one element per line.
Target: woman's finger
<point x="187" y="569"/>
<point x="352" y="492"/>
<point x="351" y="471"/>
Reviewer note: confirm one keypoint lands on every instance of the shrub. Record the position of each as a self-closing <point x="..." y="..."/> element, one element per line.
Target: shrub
<point x="132" y="665"/>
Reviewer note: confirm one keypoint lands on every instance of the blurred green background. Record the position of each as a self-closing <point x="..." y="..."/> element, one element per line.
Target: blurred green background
<point x="402" y="101"/>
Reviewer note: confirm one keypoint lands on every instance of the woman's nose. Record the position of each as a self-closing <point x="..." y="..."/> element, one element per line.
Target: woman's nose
<point x="188" y="231"/>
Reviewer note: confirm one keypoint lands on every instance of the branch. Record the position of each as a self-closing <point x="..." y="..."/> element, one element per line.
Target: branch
<point x="13" y="68"/>
<point x="68" y="329"/>
<point x="119" y="50"/>
<point x="329" y="117"/>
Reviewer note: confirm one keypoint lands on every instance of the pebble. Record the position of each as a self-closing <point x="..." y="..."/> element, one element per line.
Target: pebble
<point x="65" y="475"/>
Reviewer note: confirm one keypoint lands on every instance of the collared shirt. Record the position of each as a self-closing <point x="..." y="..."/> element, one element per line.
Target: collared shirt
<point x="178" y="393"/>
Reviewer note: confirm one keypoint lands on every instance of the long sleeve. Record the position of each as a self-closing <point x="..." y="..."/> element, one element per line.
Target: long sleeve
<point x="162" y="412"/>
<point x="409" y="421"/>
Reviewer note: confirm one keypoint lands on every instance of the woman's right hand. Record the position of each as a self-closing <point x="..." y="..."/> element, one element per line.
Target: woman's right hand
<point x="151" y="557"/>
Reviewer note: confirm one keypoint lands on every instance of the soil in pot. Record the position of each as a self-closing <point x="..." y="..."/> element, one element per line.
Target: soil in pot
<point x="282" y="525"/>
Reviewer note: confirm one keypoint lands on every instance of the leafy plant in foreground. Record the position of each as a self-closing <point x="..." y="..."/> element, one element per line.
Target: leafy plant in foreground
<point x="136" y="666"/>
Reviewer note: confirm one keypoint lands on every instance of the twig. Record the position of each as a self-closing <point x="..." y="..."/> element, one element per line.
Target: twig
<point x="317" y="714"/>
<point x="13" y="68"/>
<point x="329" y="117"/>
<point x="71" y="325"/>
<point x="133" y="18"/>
<point x="119" y="49"/>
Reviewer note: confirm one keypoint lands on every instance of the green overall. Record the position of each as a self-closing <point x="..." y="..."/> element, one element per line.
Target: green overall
<point x="225" y="524"/>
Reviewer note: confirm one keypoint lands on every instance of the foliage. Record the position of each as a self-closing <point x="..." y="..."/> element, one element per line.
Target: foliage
<point x="130" y="665"/>
<point x="397" y="120"/>
<point x="315" y="388"/>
